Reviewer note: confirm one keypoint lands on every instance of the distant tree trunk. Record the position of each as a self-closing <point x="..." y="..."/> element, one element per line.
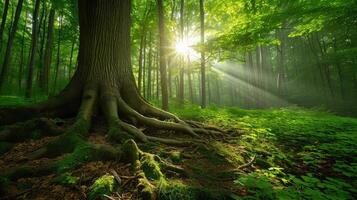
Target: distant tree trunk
<point x="325" y="67"/>
<point x="71" y="59"/>
<point x="148" y="93"/>
<point x="190" y="86"/>
<point x="218" y="92"/>
<point x="280" y="80"/>
<point x="209" y="89"/>
<point x="141" y="50"/>
<point x="3" y="21"/>
<point x="5" y="66"/>
<point x="48" y="54"/>
<point x="144" y="69"/>
<point x="323" y="83"/>
<point x="57" y="70"/>
<point x="203" y="68"/>
<point x="258" y="75"/>
<point x="157" y="76"/>
<point x="171" y="56"/>
<point x="163" y="56"/>
<point x="28" y="93"/>
<point x="199" y="82"/>
<point x="42" y="26"/>
<point x="182" y="68"/>
<point x="250" y="80"/>
<point x="21" y="65"/>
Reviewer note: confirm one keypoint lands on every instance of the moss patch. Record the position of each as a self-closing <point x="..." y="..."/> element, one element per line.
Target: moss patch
<point x="103" y="185"/>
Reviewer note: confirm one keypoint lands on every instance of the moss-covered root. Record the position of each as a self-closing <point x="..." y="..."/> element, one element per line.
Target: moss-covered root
<point x="83" y="153"/>
<point x="24" y="130"/>
<point x="105" y="185"/>
<point x="76" y="134"/>
<point x="146" y="169"/>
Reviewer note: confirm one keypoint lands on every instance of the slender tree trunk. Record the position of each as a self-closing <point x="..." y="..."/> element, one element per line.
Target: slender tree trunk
<point x="209" y="88"/>
<point x="48" y="53"/>
<point x="42" y="26"/>
<point x="163" y="56"/>
<point x="33" y="49"/>
<point x="190" y="87"/>
<point x="3" y="21"/>
<point x="148" y="93"/>
<point x="157" y="77"/>
<point x="5" y="66"/>
<point x="58" y="62"/>
<point x="182" y="68"/>
<point x="21" y="66"/>
<point x="71" y="59"/>
<point x="218" y="93"/>
<point x="203" y="59"/>
<point x="325" y="66"/>
<point x="141" y="50"/>
<point x="281" y="67"/>
<point x="144" y="68"/>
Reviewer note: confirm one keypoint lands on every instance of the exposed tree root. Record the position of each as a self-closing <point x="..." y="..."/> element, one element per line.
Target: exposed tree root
<point x="126" y="109"/>
<point x="20" y="131"/>
<point x="123" y="121"/>
<point x="63" y="105"/>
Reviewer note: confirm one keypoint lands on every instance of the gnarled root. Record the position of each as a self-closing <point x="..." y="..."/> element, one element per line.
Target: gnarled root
<point x="123" y="120"/>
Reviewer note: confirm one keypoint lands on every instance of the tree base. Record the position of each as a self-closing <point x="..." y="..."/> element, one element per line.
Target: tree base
<point x="72" y="148"/>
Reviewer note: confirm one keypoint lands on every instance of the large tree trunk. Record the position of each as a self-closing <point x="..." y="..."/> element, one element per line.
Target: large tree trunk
<point x="103" y="82"/>
<point x="5" y="66"/>
<point x="33" y="49"/>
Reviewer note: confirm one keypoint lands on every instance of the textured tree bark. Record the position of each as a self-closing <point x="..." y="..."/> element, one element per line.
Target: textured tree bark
<point x="28" y="93"/>
<point x="5" y="66"/>
<point x="102" y="85"/>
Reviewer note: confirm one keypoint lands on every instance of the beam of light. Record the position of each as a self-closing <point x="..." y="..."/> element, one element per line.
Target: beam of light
<point x="237" y="74"/>
<point x="185" y="47"/>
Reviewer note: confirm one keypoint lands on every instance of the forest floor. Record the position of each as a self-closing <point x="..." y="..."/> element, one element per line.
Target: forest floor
<point x="289" y="153"/>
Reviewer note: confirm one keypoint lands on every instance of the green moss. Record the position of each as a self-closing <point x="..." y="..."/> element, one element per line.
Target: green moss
<point x="103" y="185"/>
<point x="131" y="152"/>
<point x="229" y="152"/>
<point x="176" y="157"/>
<point x="65" y="179"/>
<point x="81" y="154"/>
<point x="286" y="142"/>
<point x="147" y="189"/>
<point x="175" y="189"/>
<point x="150" y="167"/>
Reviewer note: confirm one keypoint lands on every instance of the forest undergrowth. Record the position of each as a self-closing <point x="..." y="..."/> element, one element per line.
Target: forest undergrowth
<point x="287" y="153"/>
